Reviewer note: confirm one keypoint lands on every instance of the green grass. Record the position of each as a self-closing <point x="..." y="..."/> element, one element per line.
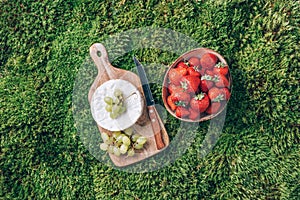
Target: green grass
<point x="43" y="45"/>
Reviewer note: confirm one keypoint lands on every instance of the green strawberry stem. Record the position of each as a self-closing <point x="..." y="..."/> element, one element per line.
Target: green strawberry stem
<point x="184" y="85"/>
<point x="219" y="98"/>
<point x="206" y="77"/>
<point x="199" y="96"/>
<point x="216" y="78"/>
<point x="180" y="103"/>
<point x="186" y="62"/>
<point x="220" y="65"/>
<point x="196" y="68"/>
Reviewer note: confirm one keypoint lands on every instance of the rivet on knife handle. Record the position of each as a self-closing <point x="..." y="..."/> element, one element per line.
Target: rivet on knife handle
<point x="156" y="127"/>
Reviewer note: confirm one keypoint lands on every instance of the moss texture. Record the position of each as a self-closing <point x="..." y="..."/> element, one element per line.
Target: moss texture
<point x="43" y="45"/>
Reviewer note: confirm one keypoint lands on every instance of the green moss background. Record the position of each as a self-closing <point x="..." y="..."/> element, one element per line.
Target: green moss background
<point x="43" y="45"/>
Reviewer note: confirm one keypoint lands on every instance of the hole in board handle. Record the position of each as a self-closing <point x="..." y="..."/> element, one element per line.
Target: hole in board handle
<point x="99" y="53"/>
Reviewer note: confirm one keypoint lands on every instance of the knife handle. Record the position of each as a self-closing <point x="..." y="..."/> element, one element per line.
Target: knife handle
<point x="155" y="122"/>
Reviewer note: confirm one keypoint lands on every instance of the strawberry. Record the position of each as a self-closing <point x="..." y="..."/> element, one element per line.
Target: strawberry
<point x="194" y="61"/>
<point x="190" y="83"/>
<point x="172" y="88"/>
<point x="208" y="60"/>
<point x="214" y="93"/>
<point x="194" y="114"/>
<point x="193" y="71"/>
<point x="180" y="96"/>
<point x="181" y="70"/>
<point x="221" y="68"/>
<point x="213" y="108"/>
<point x="174" y="76"/>
<point x="181" y="112"/>
<point x="221" y="81"/>
<point x="182" y="64"/>
<point x="171" y="103"/>
<point x="226" y="93"/>
<point x="210" y="72"/>
<point x="206" y="83"/>
<point x="200" y="102"/>
<point x="216" y="96"/>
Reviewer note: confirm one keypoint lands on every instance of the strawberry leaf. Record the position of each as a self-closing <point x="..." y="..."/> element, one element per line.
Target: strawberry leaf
<point x="219" y="98"/>
<point x="206" y="77"/>
<point x="216" y="78"/>
<point x="184" y="85"/>
<point x="199" y="96"/>
<point x="196" y="68"/>
<point x="186" y="62"/>
<point x="180" y="103"/>
<point x="220" y="65"/>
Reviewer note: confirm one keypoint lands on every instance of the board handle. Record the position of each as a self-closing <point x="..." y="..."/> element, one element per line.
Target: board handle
<point x="100" y="58"/>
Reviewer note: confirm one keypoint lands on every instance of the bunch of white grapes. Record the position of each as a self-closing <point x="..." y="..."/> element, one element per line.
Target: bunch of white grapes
<point x="115" y="106"/>
<point x="122" y="142"/>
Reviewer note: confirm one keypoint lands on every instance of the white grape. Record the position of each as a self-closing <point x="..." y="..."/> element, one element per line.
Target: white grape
<point x="116" y="109"/>
<point x="108" y="100"/>
<point x="138" y="146"/>
<point x="126" y="140"/>
<point x="108" y="108"/>
<point x="116" y="151"/>
<point x="117" y="102"/>
<point x="128" y="131"/>
<point x="134" y="137"/>
<point x="122" y="110"/>
<point x="116" y="134"/>
<point x="104" y="136"/>
<point x="103" y="146"/>
<point x="109" y="141"/>
<point x="141" y="140"/>
<point x="113" y="115"/>
<point x="110" y="149"/>
<point x="120" y="138"/>
<point x="123" y="149"/>
<point x="118" y="93"/>
<point x="118" y="143"/>
<point x="130" y="152"/>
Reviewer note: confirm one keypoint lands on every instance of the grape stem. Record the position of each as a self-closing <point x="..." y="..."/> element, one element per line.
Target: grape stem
<point x="130" y="95"/>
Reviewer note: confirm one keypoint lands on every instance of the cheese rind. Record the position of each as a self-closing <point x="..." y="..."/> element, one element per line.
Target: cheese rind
<point x="132" y="100"/>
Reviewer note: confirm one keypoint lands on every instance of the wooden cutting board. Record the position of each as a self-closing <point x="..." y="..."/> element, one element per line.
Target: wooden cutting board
<point x="143" y="126"/>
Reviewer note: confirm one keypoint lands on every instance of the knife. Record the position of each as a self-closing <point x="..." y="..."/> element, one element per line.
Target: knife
<point x="153" y="114"/>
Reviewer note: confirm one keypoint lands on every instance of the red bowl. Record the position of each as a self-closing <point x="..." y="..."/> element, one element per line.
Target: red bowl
<point x="199" y="52"/>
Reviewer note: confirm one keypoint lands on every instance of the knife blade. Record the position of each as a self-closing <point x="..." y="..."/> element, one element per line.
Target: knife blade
<point x="145" y="82"/>
<point x="150" y="103"/>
